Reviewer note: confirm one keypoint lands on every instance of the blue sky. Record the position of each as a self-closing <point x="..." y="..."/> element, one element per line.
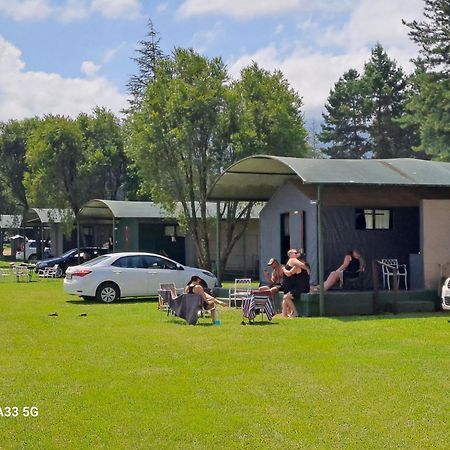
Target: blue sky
<point x="66" y="56"/>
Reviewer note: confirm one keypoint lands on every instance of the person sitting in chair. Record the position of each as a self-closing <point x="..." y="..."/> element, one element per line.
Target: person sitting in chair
<point x="275" y="279"/>
<point x="353" y="263"/>
<point x="195" y="287"/>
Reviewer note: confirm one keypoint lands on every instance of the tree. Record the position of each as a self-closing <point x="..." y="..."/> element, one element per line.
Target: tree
<point x="193" y="123"/>
<point x="386" y="85"/>
<point x="149" y="53"/>
<point x="269" y="116"/>
<point x="176" y="137"/>
<point x="74" y="160"/>
<point x="264" y="117"/>
<point x="13" y="165"/>
<point x="433" y="36"/>
<point x="429" y="108"/>
<point x="346" y="120"/>
<point x="104" y="148"/>
<point x="55" y="153"/>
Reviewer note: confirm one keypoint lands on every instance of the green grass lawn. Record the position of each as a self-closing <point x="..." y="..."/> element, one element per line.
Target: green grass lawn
<point x="122" y="378"/>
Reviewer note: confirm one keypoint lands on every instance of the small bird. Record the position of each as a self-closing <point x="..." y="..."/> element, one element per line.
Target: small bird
<point x="83" y="315"/>
<point x="54" y="314"/>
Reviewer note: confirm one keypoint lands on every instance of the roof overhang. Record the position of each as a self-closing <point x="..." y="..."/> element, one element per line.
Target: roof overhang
<point x="351" y="182"/>
<point x="35" y="217"/>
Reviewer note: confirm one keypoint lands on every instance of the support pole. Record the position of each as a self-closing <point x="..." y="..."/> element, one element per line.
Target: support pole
<point x="78" y="241"/>
<point x="320" y="248"/>
<point x="114" y="234"/>
<point x="218" y="268"/>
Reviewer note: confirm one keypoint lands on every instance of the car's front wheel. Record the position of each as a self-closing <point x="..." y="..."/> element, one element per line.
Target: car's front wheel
<point x="59" y="272"/>
<point x="107" y="293"/>
<point x="32" y="258"/>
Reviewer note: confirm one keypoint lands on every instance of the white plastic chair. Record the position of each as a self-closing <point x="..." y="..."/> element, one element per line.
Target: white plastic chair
<point x="446" y="295"/>
<point x="242" y="290"/>
<point x="49" y="272"/>
<point x="388" y="266"/>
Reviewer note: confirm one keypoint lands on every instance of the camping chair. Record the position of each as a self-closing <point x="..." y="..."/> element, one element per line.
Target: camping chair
<point x="167" y="291"/>
<point x="242" y="290"/>
<point x="388" y="266"/>
<point x="187" y="307"/>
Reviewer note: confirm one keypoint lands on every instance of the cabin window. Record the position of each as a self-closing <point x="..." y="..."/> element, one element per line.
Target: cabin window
<point x="373" y="219"/>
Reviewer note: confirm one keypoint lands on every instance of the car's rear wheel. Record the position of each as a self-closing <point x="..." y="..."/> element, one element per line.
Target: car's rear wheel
<point x="107" y="293"/>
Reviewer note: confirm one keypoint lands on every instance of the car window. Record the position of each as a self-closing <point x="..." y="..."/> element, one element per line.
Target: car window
<point x="162" y="263"/>
<point x="95" y="261"/>
<point x="130" y="262"/>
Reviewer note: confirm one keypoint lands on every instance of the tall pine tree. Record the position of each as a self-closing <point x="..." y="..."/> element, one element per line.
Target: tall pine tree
<point x="386" y="86"/>
<point x="148" y="54"/>
<point x="429" y="109"/>
<point x="345" y="127"/>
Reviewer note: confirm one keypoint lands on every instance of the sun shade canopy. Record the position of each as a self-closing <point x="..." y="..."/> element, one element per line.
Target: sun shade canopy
<point x="258" y="177"/>
<point x="43" y="216"/>
<point x="106" y="210"/>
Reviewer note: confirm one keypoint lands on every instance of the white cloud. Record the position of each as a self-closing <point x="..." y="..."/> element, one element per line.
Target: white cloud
<point x="376" y="21"/>
<point x="26" y="10"/>
<point x="117" y="9"/>
<point x="239" y="9"/>
<point x="313" y="71"/>
<point x="312" y="75"/>
<point x="89" y="68"/>
<point x="70" y="10"/>
<point x="202" y="39"/>
<point x="27" y="93"/>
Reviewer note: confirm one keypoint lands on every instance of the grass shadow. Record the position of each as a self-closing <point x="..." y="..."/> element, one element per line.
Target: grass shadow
<point x="392" y="316"/>
<point x="125" y="301"/>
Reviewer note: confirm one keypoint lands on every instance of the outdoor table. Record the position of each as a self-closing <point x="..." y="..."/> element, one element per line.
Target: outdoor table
<point x="257" y="300"/>
<point x="23" y="271"/>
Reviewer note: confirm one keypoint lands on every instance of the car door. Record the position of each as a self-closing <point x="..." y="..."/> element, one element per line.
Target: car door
<point x="131" y="275"/>
<point x="162" y="270"/>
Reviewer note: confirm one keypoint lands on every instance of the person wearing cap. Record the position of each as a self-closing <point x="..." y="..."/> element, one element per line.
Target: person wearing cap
<point x="295" y="281"/>
<point x="274" y="279"/>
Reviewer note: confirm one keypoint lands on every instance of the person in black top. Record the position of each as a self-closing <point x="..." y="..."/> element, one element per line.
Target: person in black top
<point x="295" y="281"/>
<point x="196" y="286"/>
<point x="353" y="262"/>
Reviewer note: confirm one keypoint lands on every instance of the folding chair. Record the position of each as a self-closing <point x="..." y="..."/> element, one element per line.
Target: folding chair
<point x="242" y="290"/>
<point x="4" y="273"/>
<point x="258" y="303"/>
<point x="388" y="266"/>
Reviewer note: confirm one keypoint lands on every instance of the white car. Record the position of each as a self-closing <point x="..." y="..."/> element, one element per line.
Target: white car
<point x="131" y="274"/>
<point x="446" y="295"/>
<point x="31" y="251"/>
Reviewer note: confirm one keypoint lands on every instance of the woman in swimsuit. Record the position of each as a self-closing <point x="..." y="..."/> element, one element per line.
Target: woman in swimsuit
<point x="295" y="282"/>
<point x="195" y="287"/>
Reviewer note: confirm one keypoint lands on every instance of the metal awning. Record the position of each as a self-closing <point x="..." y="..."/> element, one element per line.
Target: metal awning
<point x="35" y="217"/>
<point x="97" y="210"/>
<point x="258" y="177"/>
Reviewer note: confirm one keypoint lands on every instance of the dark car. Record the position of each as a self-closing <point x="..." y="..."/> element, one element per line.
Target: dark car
<point x="70" y="258"/>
